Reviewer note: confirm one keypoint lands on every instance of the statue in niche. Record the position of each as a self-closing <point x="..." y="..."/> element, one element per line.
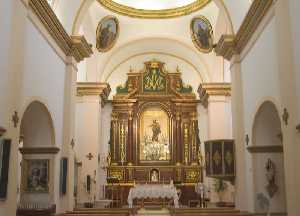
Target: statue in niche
<point x="271" y="188"/>
<point x="155" y="130"/>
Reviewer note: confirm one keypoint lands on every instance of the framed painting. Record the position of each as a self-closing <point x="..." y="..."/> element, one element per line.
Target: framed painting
<point x="202" y="34"/>
<point x="107" y="33"/>
<point x="4" y="166"/>
<point x="154" y="135"/>
<point x="37" y="176"/>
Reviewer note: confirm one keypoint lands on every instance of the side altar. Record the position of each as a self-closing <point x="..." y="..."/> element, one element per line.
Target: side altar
<point x="154" y="135"/>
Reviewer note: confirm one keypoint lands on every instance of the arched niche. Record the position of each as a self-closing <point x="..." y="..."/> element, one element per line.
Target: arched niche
<point x="267" y="146"/>
<point x="37" y="145"/>
<point x="37" y="126"/>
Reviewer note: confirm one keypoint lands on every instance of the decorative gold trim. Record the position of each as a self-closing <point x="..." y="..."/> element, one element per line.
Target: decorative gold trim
<point x="39" y="150"/>
<point x="117" y="33"/>
<point x="228" y="45"/>
<point x="153" y="14"/>
<point x="2" y="131"/>
<point x="225" y="46"/>
<point x="194" y="37"/>
<point x="186" y="143"/>
<point x="203" y="95"/>
<point x="75" y="46"/>
<point x="222" y="89"/>
<point x="218" y="89"/>
<point x="265" y="149"/>
<point x="81" y="48"/>
<point x="94" y="88"/>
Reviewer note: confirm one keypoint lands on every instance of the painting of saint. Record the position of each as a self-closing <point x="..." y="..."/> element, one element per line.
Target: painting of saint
<point x="37" y="175"/>
<point x="202" y="34"/>
<point x="154" y="135"/>
<point x="107" y="33"/>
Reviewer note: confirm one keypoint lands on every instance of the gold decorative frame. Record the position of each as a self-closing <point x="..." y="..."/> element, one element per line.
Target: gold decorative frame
<point x="117" y="33"/>
<point x="195" y="39"/>
<point x="153" y="14"/>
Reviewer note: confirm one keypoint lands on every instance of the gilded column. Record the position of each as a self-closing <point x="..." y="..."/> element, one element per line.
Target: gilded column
<point x="186" y="142"/>
<point x="130" y="138"/>
<point x="194" y="136"/>
<point x="122" y="141"/>
<point x="113" y="139"/>
<point x="177" y="137"/>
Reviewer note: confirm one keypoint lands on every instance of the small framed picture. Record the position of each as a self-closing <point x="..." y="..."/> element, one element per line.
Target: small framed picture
<point x="37" y="176"/>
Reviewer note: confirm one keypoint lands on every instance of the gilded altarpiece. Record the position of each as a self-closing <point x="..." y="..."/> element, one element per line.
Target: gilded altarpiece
<point x="154" y="125"/>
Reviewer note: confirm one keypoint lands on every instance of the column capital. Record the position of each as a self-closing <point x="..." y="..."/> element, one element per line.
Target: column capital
<point x="213" y="89"/>
<point x="94" y="88"/>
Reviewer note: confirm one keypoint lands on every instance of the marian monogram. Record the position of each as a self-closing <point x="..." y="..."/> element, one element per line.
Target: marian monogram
<point x="154" y="78"/>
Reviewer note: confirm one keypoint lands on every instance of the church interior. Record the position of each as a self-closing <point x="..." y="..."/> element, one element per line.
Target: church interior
<point x="149" y="107"/>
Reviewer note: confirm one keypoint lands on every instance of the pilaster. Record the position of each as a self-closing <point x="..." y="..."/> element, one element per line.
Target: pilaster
<point x="288" y="97"/>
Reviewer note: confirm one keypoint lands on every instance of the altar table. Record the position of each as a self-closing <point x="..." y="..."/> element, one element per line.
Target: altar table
<point x="153" y="191"/>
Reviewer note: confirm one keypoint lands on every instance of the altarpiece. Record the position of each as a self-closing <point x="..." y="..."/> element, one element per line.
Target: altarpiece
<point x="154" y="131"/>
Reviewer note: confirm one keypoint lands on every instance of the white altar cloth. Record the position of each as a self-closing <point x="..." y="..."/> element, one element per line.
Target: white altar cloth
<point x="153" y="191"/>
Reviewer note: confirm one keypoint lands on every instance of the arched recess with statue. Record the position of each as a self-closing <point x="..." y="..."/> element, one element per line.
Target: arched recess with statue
<point x="37" y="157"/>
<point x="268" y="162"/>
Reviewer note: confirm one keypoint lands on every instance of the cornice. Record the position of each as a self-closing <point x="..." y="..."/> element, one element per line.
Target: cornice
<point x="81" y="48"/>
<point x="221" y="89"/>
<point x="228" y="45"/>
<point x="2" y="131"/>
<point x="153" y="14"/>
<point x="265" y="149"/>
<point x="75" y="46"/>
<point x="94" y="88"/>
<point x="39" y="150"/>
<point x="213" y="89"/>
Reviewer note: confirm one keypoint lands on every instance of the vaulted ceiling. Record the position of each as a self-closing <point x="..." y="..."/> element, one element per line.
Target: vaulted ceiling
<point x="170" y="36"/>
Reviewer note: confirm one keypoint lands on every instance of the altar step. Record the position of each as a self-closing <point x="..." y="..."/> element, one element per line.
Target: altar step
<point x="153" y="212"/>
<point x="100" y="212"/>
<point x="208" y="212"/>
<point x="157" y="212"/>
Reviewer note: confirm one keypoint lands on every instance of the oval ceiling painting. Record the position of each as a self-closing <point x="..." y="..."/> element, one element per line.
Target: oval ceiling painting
<point x="107" y="33"/>
<point x="202" y="34"/>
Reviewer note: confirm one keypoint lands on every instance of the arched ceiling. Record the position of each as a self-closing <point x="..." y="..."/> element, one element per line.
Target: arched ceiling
<point x="71" y="15"/>
<point x="83" y="16"/>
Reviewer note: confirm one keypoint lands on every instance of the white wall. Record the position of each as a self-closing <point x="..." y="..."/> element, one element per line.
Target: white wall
<point x="260" y="81"/>
<point x="294" y="7"/>
<point x="87" y="138"/>
<point x="30" y="70"/>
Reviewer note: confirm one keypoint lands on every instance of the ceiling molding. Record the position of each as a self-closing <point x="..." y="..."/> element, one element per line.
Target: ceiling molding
<point x="39" y="150"/>
<point x="228" y="45"/>
<point x="75" y="46"/>
<point x="265" y="149"/>
<point x="94" y="88"/>
<point x="153" y="14"/>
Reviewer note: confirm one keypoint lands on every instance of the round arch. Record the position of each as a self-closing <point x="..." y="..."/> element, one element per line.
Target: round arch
<point x="266" y="132"/>
<point x="173" y="48"/>
<point x="37" y="126"/>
